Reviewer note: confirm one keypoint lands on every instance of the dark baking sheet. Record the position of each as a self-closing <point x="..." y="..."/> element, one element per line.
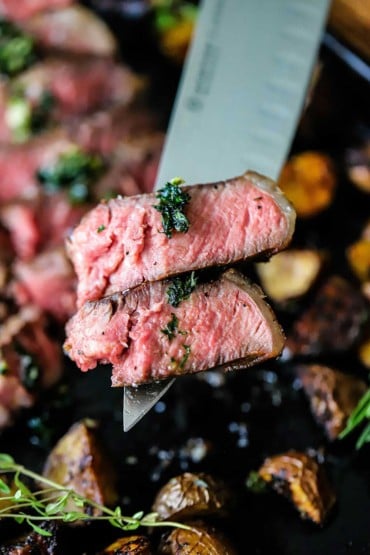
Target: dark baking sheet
<point x="244" y="416"/>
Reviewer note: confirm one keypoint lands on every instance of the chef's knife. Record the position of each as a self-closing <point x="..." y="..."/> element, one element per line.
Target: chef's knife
<point x="237" y="107"/>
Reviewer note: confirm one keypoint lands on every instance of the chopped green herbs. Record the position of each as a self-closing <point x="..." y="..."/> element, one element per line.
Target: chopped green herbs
<point x="75" y="171"/>
<point x="24" y="119"/>
<point x="51" y="502"/>
<point x="255" y="483"/>
<point x="172" y="201"/>
<point x="360" y="415"/>
<point x="186" y="355"/>
<point x="171" y="329"/>
<point x="100" y="228"/>
<point x="17" y="50"/>
<point x="3" y="367"/>
<point x="181" y="288"/>
<point x="180" y="364"/>
<point x="30" y="372"/>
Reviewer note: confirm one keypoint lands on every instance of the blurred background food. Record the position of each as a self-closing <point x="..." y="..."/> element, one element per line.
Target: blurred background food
<point x="86" y="91"/>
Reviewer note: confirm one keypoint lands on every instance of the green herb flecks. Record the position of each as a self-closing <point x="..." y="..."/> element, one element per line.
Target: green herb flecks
<point x="17" y="50"/>
<point x="255" y="483"/>
<point x="180" y="364"/>
<point x="3" y="367"/>
<point x="172" y="201"/>
<point x="171" y="328"/>
<point x="30" y="371"/>
<point x="359" y="416"/>
<point x="51" y="502"/>
<point x="25" y="119"/>
<point x="100" y="228"/>
<point x="181" y="288"/>
<point x="75" y="171"/>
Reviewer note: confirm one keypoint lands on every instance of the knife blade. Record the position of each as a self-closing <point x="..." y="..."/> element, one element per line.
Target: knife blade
<point x="240" y="96"/>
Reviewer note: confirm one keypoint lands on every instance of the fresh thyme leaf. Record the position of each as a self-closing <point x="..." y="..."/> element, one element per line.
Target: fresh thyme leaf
<point x="172" y="201"/>
<point x="181" y="288"/>
<point x="75" y="171"/>
<point x="38" y="529"/>
<point x="6" y="461"/>
<point x="364" y="437"/>
<point x="4" y="488"/>
<point x="171" y="328"/>
<point x="17" y="50"/>
<point x="359" y="415"/>
<point x="35" y="506"/>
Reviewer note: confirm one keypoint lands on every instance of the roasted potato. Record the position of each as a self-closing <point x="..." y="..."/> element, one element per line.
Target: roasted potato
<point x="358" y="166"/>
<point x="301" y="479"/>
<point x="358" y="256"/>
<point x="332" y="324"/>
<point x="131" y="545"/>
<point x="192" y="495"/>
<point x="309" y="182"/>
<point x="78" y="462"/>
<point x="333" y="395"/>
<point x="290" y="274"/>
<point x="199" y="540"/>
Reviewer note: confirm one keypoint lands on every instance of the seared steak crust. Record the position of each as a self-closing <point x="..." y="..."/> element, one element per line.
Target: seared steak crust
<point x="225" y="323"/>
<point x="229" y="221"/>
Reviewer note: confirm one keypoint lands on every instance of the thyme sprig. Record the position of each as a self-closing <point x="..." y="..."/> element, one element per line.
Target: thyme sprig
<point x="360" y="415"/>
<point x="51" y="502"/>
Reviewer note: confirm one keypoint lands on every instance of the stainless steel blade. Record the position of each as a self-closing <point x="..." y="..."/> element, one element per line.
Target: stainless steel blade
<point x="239" y="100"/>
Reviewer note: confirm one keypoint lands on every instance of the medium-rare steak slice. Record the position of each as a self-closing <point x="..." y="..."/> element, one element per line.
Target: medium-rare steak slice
<point x="60" y="30"/>
<point x="223" y="323"/>
<point x="22" y="9"/>
<point x="120" y="243"/>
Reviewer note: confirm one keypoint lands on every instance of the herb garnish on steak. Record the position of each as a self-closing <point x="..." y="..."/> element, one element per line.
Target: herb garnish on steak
<point x="227" y="322"/>
<point x="172" y="201"/>
<point x="231" y="220"/>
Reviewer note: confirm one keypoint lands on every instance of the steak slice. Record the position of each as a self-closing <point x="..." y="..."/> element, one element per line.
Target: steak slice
<point x="120" y="243"/>
<point x="224" y="323"/>
<point x="60" y="30"/>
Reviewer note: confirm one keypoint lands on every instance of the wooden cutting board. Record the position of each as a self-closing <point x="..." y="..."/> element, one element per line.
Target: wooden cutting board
<point x="350" y="21"/>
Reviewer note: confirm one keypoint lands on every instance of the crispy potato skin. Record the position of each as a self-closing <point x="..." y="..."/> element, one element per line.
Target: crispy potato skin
<point x="131" y="545"/>
<point x="190" y="496"/>
<point x="302" y="480"/>
<point x="78" y="461"/>
<point x="199" y="540"/>
<point x="332" y="324"/>
<point x="333" y="395"/>
<point x="309" y="182"/>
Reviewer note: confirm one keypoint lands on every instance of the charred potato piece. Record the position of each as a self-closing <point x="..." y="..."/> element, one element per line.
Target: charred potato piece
<point x="192" y="495"/>
<point x="358" y="256"/>
<point x="309" y="182"/>
<point x="199" y="540"/>
<point x="290" y="274"/>
<point x="301" y="479"/>
<point x="333" y="395"/>
<point x="332" y="324"/>
<point x="34" y="543"/>
<point x="132" y="545"/>
<point x="78" y="462"/>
